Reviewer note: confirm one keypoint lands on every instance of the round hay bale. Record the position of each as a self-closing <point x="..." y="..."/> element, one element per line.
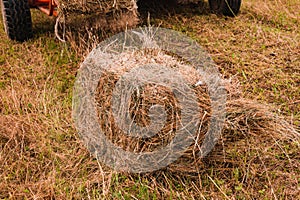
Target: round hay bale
<point x="247" y="122"/>
<point x="245" y="118"/>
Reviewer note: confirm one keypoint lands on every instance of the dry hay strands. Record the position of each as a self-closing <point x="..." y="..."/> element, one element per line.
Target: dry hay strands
<point x="142" y="98"/>
<point x="248" y="124"/>
<point x="140" y="103"/>
<point x="86" y="23"/>
<point x="250" y="128"/>
<point x="95" y="6"/>
<point x="252" y="117"/>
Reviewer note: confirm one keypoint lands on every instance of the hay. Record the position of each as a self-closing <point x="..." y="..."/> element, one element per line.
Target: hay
<point x="245" y="118"/>
<point x="139" y="106"/>
<point x="84" y="23"/>
<point x="92" y="6"/>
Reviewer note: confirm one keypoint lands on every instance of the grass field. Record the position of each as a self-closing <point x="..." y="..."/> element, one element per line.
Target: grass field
<point x="41" y="156"/>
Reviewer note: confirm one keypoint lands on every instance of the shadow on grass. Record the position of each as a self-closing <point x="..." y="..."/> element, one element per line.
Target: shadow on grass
<point x="41" y="23"/>
<point x="160" y="9"/>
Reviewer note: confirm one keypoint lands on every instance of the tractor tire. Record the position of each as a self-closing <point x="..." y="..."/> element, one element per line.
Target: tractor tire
<point x="226" y="7"/>
<point x="17" y="19"/>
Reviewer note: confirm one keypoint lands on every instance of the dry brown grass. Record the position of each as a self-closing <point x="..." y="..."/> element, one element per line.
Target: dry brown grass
<point x="42" y="157"/>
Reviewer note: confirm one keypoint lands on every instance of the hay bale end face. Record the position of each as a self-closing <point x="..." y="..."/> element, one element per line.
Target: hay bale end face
<point x="144" y="97"/>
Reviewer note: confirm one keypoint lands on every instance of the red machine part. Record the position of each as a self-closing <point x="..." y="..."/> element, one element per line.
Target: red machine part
<point x="46" y="6"/>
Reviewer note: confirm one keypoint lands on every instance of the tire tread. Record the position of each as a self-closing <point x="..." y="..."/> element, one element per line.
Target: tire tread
<point x="17" y="19"/>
